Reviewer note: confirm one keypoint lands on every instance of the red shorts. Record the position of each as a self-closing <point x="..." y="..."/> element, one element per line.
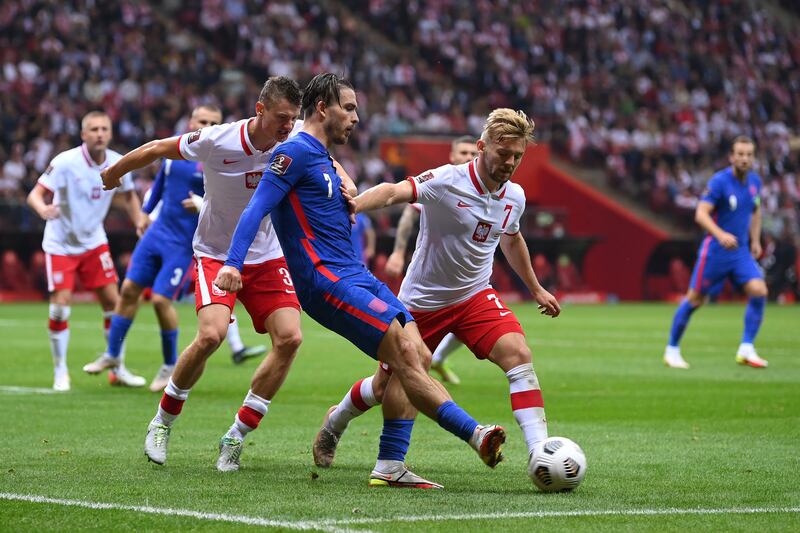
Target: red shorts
<point x="95" y="269"/>
<point x="478" y="323"/>
<point x="266" y="287"/>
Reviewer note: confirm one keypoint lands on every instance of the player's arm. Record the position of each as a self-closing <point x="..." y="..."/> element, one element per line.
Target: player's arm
<point x="755" y="232"/>
<point x="397" y="260"/>
<point x="156" y="191"/>
<point x="384" y="195"/>
<point x="704" y="219"/>
<point x="138" y="158"/>
<point x="129" y="201"/>
<point x="516" y="251"/>
<point x="38" y="201"/>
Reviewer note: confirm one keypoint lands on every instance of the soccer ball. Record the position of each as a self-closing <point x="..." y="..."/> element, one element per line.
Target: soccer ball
<point x="556" y="465"/>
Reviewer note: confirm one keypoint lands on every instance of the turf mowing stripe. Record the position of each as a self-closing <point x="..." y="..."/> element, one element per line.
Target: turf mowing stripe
<point x="219" y="517"/>
<point x="7" y="389"/>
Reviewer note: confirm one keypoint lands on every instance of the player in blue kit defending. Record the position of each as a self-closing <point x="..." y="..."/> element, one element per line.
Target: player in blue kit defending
<point x="732" y="243"/>
<point x="300" y="190"/>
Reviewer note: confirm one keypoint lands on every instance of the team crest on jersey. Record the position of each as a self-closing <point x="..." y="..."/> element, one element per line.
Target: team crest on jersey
<point x="280" y="164"/>
<point x="753" y="190"/>
<point x="251" y="179"/>
<point x="193" y="137"/>
<point x="733" y="202"/>
<point x="96" y="192"/>
<point x="378" y="305"/>
<point x="216" y="291"/>
<point x="425" y="177"/>
<point x="481" y="232"/>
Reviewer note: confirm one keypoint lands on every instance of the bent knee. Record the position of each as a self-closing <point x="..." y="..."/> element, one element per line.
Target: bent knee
<point x="514" y="356"/>
<point x="287" y="342"/>
<point x="209" y="339"/>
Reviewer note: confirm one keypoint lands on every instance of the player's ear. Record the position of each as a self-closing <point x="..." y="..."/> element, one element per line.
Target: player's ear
<point x="260" y="107"/>
<point x="480" y="145"/>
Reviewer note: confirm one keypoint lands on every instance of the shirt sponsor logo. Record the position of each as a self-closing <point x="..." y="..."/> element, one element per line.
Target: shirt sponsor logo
<point x="481" y="232"/>
<point x="251" y="179"/>
<point x="195" y="135"/>
<point x="425" y="177"/>
<point x="280" y="164"/>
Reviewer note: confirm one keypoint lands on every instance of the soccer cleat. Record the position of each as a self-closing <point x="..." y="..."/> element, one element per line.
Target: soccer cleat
<point x="674" y="359"/>
<point x="488" y="442"/>
<point x="749" y="357"/>
<point x="161" y="380"/>
<point x="103" y="362"/>
<point x="445" y="372"/>
<point x="324" y="447"/>
<point x="403" y="478"/>
<point x="61" y="382"/>
<point x="122" y="377"/>
<point x="155" y="443"/>
<point x="248" y="353"/>
<point x="230" y="449"/>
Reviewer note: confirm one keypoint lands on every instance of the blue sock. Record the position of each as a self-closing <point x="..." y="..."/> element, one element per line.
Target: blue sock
<point x="455" y="420"/>
<point x="117" y="333"/>
<point x="169" y="345"/>
<point x="395" y="438"/>
<point x="680" y="321"/>
<point x="753" y="315"/>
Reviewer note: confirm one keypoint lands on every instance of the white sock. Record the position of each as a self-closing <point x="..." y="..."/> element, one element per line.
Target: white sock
<point x="59" y="335"/>
<point x="358" y="400"/>
<point x="233" y="337"/>
<point x="173" y="398"/>
<point x="449" y="344"/>
<point x="386" y="466"/>
<point x="249" y="416"/>
<point x="527" y="404"/>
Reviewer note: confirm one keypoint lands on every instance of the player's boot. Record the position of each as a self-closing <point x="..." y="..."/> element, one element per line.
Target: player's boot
<point x="61" y="382"/>
<point x="248" y="353"/>
<point x="100" y="364"/>
<point x="324" y="448"/>
<point x="746" y="355"/>
<point x="402" y="477"/>
<point x="230" y="450"/>
<point x="155" y="443"/>
<point x="673" y="358"/>
<point x="161" y="380"/>
<point x="488" y="442"/>
<point x="445" y="372"/>
<point x="122" y="377"/>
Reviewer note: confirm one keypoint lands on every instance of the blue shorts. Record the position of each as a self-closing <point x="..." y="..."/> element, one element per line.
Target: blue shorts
<point x="360" y="308"/>
<point x="163" y="265"/>
<point x="715" y="265"/>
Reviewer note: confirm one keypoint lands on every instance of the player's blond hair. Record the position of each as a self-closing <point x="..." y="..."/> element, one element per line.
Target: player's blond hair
<point x="93" y="114"/>
<point x="504" y="123"/>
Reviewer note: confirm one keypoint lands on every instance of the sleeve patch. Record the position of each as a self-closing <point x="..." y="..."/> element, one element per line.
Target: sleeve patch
<point x="48" y="170"/>
<point x="280" y="164"/>
<point x="195" y="135"/>
<point x="425" y="177"/>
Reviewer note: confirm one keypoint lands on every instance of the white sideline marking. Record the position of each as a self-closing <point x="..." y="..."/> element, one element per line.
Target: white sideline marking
<point x="329" y="525"/>
<point x="8" y="389"/>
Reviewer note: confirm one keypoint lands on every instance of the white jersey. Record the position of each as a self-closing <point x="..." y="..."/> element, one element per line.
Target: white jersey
<point x="232" y="169"/>
<point x="74" y="179"/>
<point x="460" y="228"/>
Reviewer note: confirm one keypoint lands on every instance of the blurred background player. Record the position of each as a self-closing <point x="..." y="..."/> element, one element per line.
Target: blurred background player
<point x="163" y="258"/>
<point x="363" y="238"/>
<point x="469" y="210"/>
<point x="75" y="241"/>
<point x="730" y="213"/>
<point x="462" y="150"/>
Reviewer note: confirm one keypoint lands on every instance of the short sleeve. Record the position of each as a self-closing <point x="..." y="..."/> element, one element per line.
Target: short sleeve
<point x="430" y="186"/>
<point x="713" y="192"/>
<point x="197" y="145"/>
<point x="52" y="178"/>
<point x="514" y="217"/>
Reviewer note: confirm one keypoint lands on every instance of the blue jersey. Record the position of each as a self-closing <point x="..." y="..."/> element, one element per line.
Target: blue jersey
<point x="172" y="185"/>
<point x="358" y="235"/>
<point x="734" y="202"/>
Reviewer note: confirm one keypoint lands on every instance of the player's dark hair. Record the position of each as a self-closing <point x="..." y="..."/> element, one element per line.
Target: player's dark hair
<point x="744" y="139"/>
<point x="278" y="87"/>
<point x="464" y="139"/>
<point x="322" y="88"/>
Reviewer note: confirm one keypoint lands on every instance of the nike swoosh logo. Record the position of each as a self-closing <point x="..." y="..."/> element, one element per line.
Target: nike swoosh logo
<point x="504" y="313"/>
<point x="229" y="161"/>
<point x="462" y="204"/>
<point x="289" y="292"/>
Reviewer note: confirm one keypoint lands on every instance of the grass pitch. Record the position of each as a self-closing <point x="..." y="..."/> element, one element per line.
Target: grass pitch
<point x="716" y="447"/>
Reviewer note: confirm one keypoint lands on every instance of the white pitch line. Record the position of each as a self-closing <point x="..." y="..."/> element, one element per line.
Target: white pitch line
<point x="8" y="389"/>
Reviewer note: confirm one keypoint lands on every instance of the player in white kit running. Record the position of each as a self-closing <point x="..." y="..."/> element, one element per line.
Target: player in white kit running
<point x="75" y="242"/>
<point x="469" y="210"/>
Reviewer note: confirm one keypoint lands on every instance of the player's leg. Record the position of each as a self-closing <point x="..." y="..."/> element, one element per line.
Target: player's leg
<point x="119" y="324"/>
<point x="240" y="352"/>
<point x="749" y="276"/>
<point x="449" y="344"/>
<point x="60" y="271"/>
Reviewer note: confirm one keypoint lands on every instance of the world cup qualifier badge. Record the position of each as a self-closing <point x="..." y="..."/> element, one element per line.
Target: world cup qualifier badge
<point x="280" y="164"/>
<point x="193" y="137"/>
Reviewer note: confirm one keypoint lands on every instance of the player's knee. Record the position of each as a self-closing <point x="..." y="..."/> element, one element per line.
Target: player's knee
<point x="208" y="339"/>
<point x="514" y="356"/>
<point x="287" y="342"/>
<point x="759" y="290"/>
<point x="161" y="303"/>
<point x="424" y="356"/>
<point x="408" y="354"/>
<point x="129" y="294"/>
<point x="695" y="299"/>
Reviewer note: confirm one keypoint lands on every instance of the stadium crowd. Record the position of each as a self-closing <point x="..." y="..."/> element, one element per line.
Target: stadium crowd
<point x="650" y="90"/>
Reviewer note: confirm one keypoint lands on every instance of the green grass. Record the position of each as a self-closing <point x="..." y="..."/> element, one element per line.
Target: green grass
<point x="719" y="436"/>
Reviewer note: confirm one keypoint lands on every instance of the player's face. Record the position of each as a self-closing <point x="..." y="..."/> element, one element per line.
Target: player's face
<point x="463" y="153"/>
<point x="278" y="119"/>
<point x="341" y="117"/>
<point x="742" y="156"/>
<point x="502" y="157"/>
<point x="202" y="117"/>
<point x="97" y="133"/>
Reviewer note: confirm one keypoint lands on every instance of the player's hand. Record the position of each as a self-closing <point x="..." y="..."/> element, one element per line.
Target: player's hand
<point x="394" y="265"/>
<point x="351" y="203"/>
<point x="50" y="212"/>
<point x="755" y="249"/>
<point x="109" y="181"/>
<point x="728" y="241"/>
<point x="142" y="224"/>
<point x="229" y="279"/>
<point x="193" y="203"/>
<point x="548" y="304"/>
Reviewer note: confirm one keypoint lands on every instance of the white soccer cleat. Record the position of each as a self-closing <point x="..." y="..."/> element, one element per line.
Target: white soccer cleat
<point x="122" y="377"/>
<point x="161" y="380"/>
<point x="488" y="442"/>
<point x="403" y="478"/>
<point x="103" y="362"/>
<point x="61" y="382"/>
<point x="324" y="447"/>
<point x="230" y="450"/>
<point x="155" y="443"/>
<point x="746" y="355"/>
<point x="674" y="359"/>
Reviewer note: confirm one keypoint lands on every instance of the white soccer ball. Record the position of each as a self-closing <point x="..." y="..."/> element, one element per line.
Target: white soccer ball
<point x="556" y="465"/>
